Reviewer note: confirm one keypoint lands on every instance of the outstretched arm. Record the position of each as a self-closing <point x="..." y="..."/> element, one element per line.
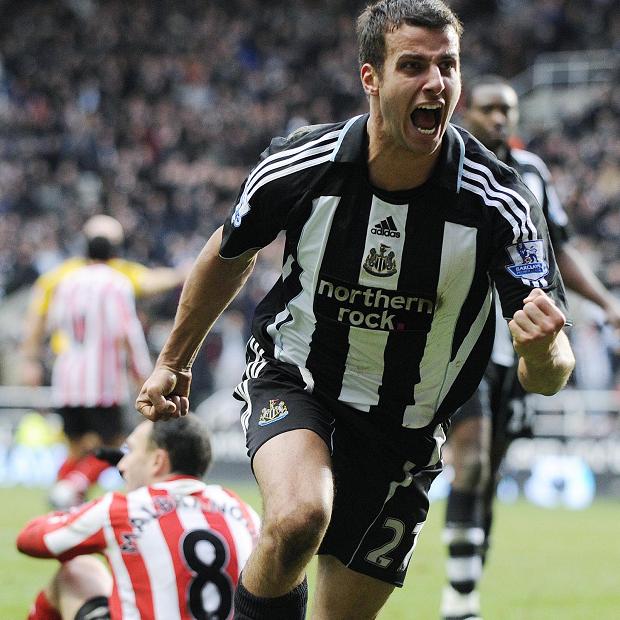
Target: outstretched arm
<point x="160" y="279"/>
<point x="578" y="277"/>
<point x="211" y="285"/>
<point x="545" y="356"/>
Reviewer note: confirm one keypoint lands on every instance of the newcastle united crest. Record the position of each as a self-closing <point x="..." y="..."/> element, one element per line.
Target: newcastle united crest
<point x="379" y="263"/>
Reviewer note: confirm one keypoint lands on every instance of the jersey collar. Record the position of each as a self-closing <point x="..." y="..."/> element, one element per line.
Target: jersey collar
<point x="351" y="148"/>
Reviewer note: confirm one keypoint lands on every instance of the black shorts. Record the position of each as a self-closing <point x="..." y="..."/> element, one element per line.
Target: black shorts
<point x="96" y="608"/>
<point x="107" y="422"/>
<point x="501" y="398"/>
<point x="382" y="472"/>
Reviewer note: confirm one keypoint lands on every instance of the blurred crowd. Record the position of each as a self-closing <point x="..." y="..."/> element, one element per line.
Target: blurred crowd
<point x="153" y="112"/>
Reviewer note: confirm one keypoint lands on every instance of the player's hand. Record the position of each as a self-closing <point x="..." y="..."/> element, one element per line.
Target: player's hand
<point x="535" y="327"/>
<point x="612" y="313"/>
<point x="164" y="395"/>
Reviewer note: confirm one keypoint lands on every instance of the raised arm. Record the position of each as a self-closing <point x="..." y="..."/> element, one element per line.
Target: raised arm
<point x="211" y="285"/>
<point x="580" y="278"/>
<point x="160" y="279"/>
<point x="545" y="356"/>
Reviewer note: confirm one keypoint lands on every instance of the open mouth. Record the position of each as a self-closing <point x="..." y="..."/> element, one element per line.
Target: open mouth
<point x="427" y="117"/>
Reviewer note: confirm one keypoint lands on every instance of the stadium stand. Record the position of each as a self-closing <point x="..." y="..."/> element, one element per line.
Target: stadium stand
<point x="152" y="112"/>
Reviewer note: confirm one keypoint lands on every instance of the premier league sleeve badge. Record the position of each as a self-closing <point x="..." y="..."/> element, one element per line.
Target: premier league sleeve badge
<point x="528" y="260"/>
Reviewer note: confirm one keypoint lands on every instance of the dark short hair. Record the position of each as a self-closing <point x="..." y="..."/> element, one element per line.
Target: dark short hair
<point x="384" y="16"/>
<point x="186" y="440"/>
<point x="100" y="248"/>
<point x="488" y="79"/>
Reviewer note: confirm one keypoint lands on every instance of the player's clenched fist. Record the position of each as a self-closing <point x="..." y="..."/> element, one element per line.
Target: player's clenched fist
<point x="535" y="327"/>
<point x="164" y="395"/>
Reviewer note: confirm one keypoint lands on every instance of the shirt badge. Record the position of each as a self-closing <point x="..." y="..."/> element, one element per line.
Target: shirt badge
<point x="380" y="263"/>
<point x="276" y="411"/>
<point x="528" y="260"/>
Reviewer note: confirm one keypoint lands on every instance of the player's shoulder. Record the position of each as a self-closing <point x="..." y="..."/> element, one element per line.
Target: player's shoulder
<point x="225" y="496"/>
<point x="326" y="133"/>
<point x="480" y="163"/>
<point x="102" y="275"/>
<point x="529" y="161"/>
<point x="54" y="276"/>
<point x="132" y="270"/>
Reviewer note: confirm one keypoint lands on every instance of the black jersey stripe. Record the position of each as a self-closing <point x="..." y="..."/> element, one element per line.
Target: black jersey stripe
<point x="293" y="339"/>
<point x="404" y="351"/>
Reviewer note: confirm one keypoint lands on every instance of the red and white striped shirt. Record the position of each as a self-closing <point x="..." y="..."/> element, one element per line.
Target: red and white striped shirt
<point x="176" y="548"/>
<point x="101" y="338"/>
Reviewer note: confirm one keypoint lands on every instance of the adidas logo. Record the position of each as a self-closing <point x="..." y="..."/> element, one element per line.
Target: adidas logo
<point x="386" y="228"/>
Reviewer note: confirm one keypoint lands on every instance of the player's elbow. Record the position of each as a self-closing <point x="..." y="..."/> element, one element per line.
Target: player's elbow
<point x="28" y="542"/>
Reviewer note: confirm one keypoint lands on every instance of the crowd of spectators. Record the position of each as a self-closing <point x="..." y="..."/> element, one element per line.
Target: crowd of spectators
<point x="153" y="112"/>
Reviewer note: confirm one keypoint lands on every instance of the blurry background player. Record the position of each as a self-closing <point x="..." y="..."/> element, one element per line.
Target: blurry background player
<point x="483" y="428"/>
<point x="145" y="281"/>
<point x="98" y="341"/>
<point x="175" y="545"/>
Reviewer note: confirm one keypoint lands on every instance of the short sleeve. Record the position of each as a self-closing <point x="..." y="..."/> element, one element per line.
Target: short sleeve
<point x="523" y="256"/>
<point x="259" y="213"/>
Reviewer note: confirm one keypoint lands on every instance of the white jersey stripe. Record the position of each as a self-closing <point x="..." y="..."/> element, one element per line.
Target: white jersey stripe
<point x="81" y="529"/>
<point x="343" y="133"/>
<point x="157" y="560"/>
<point x="357" y="383"/>
<point x="456" y="272"/>
<point x="127" y="596"/>
<point x="292" y="341"/>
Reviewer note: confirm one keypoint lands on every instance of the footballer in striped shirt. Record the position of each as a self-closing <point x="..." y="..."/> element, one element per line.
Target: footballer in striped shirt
<point x="174" y="544"/>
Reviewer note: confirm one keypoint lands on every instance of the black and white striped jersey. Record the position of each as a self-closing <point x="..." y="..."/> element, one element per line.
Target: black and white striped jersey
<point x="537" y="177"/>
<point x="385" y="302"/>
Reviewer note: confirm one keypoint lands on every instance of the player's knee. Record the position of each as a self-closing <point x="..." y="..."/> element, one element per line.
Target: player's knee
<point x="84" y="577"/>
<point x="297" y="530"/>
<point x="474" y="472"/>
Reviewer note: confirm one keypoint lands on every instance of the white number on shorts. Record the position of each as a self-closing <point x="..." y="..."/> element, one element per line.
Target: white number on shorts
<point x="378" y="556"/>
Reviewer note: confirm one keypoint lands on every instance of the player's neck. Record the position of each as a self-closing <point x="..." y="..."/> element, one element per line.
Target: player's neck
<point x="502" y="152"/>
<point x="395" y="170"/>
<point x="394" y="167"/>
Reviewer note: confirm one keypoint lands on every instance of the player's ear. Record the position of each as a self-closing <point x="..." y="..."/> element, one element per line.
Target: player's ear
<point x="370" y="79"/>
<point x="161" y="463"/>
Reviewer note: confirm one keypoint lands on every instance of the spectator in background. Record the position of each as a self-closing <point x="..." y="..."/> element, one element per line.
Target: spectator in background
<point x="483" y="428"/>
<point x="175" y="546"/>
<point x="104" y="105"/>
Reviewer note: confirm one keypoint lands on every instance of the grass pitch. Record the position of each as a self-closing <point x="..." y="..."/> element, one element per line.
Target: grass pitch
<point x="544" y="564"/>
